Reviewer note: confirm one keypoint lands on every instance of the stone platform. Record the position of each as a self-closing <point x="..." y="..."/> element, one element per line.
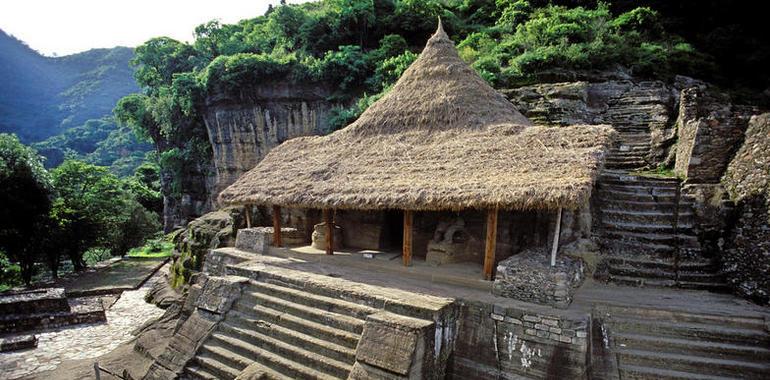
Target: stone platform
<point x="79" y="310"/>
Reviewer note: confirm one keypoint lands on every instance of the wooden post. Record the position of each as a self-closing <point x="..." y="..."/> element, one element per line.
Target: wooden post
<point x="556" y="238"/>
<point x="277" y="226"/>
<point x="329" y="232"/>
<point x="407" y="248"/>
<point x="491" y="244"/>
<point x="248" y="216"/>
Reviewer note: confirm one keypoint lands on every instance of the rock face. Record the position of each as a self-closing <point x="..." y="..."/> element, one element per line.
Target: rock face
<point x="243" y="129"/>
<point x="710" y="128"/>
<point x="747" y="257"/>
<point x="641" y="111"/>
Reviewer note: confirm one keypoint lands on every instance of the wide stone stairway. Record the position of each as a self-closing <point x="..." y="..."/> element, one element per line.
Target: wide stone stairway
<point x="294" y="325"/>
<point x="649" y="343"/>
<point x="291" y="333"/>
<point x="647" y="233"/>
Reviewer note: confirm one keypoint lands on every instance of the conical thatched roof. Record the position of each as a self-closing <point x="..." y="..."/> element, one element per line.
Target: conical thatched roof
<point x="442" y="138"/>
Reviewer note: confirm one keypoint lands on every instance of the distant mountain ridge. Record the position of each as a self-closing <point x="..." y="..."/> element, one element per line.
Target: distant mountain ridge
<point x="44" y="96"/>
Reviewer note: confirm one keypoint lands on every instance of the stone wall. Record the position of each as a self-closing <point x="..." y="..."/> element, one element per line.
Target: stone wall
<point x="244" y="128"/>
<point x="508" y="343"/>
<point x="710" y="129"/>
<point x="746" y="261"/>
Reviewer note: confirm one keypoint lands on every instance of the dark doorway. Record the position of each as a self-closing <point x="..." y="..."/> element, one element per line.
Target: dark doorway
<point x="393" y="230"/>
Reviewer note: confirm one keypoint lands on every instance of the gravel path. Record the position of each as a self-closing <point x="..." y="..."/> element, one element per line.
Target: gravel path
<point x="83" y="341"/>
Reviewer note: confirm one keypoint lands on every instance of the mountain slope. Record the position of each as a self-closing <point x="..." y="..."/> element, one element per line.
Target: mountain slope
<point x="43" y="96"/>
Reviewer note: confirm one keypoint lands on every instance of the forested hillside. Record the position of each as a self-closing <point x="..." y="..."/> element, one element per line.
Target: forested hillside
<point x="43" y="96"/>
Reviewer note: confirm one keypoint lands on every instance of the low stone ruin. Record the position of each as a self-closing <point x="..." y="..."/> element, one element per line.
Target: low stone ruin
<point x="46" y="308"/>
<point x="530" y="277"/>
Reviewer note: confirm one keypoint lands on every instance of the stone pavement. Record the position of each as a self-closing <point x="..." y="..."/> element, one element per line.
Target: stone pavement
<point x="83" y="341"/>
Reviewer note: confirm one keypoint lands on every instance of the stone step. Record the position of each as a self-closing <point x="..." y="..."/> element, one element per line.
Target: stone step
<point x="253" y="333"/>
<point x="680" y="240"/>
<point x="644" y="187"/>
<point x="606" y="194"/>
<point x="692" y="363"/>
<point x="625" y="176"/>
<point x="690" y="266"/>
<point x="670" y="272"/>
<point x="748" y="322"/>
<point x="636" y="248"/>
<point x="331" y="319"/>
<point x="252" y="316"/>
<point x="625" y="165"/>
<point x="220" y="362"/>
<point x="198" y="373"/>
<point x="286" y="351"/>
<point x="410" y="304"/>
<point x="276" y="362"/>
<point x="646" y="273"/>
<point x="635" y="372"/>
<point x="643" y="282"/>
<point x="634" y="206"/>
<point x="645" y="217"/>
<point x="691" y="347"/>
<point x="320" y="302"/>
<point x="648" y="228"/>
<point x="688" y="330"/>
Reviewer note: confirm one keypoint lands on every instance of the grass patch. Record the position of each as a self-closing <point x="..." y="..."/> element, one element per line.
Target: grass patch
<point x="153" y="249"/>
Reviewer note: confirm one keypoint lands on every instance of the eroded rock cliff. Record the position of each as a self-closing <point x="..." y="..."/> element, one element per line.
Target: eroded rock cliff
<point x="746" y="260"/>
<point x="243" y="128"/>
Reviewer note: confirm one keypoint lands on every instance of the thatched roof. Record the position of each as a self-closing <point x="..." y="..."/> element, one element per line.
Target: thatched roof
<point x="442" y="138"/>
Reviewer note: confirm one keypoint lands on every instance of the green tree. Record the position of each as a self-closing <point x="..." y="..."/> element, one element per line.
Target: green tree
<point x="90" y="207"/>
<point x="25" y="200"/>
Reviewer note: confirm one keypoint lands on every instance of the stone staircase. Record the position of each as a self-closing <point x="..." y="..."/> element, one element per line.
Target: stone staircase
<point x="293" y="334"/>
<point x="631" y="153"/>
<point x="663" y="344"/>
<point x="288" y="325"/>
<point x="647" y="233"/>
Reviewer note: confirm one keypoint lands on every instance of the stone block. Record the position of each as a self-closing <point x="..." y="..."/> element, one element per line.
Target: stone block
<point x="218" y="294"/>
<point x="20" y="342"/>
<point x="363" y="371"/>
<point x="396" y="344"/>
<point x="255" y="371"/>
<point x="256" y="240"/>
<point x="550" y="322"/>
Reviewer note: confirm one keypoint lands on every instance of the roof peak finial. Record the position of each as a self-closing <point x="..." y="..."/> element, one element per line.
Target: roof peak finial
<point x="440" y="28"/>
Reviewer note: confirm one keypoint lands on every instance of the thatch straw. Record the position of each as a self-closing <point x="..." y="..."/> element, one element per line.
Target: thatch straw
<point x="441" y="139"/>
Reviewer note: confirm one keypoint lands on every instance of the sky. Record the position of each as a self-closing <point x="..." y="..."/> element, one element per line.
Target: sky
<point x="64" y="27"/>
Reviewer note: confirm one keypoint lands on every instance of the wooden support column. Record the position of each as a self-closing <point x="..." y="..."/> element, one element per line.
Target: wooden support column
<point x="556" y="234"/>
<point x="407" y="248"/>
<point x="248" y="215"/>
<point x="327" y="214"/>
<point x="277" y="241"/>
<point x="491" y="244"/>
